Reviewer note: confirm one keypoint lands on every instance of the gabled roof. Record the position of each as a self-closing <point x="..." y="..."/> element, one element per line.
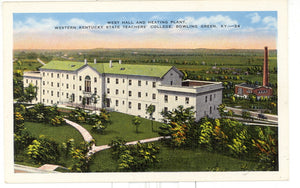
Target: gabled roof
<point x="63" y="65"/>
<point x="122" y="69"/>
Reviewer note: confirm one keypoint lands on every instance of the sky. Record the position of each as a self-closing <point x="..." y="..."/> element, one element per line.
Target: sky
<point x="176" y="30"/>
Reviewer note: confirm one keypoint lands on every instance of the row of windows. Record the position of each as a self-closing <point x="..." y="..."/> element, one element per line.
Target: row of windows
<point x="67" y="76"/>
<point x="262" y="91"/>
<point x="31" y="81"/>
<point x="130" y="93"/>
<point x="139" y="105"/>
<point x="166" y="99"/>
<point x="95" y="92"/>
<point x="130" y="82"/>
<point x="210" y="97"/>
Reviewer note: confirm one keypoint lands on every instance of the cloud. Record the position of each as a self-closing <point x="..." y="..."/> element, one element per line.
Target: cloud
<point x="255" y="18"/>
<point x="218" y="19"/>
<point x="79" y="22"/>
<point x="270" y="22"/>
<point x="31" y="25"/>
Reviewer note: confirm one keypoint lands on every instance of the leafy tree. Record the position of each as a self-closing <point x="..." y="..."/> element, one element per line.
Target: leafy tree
<point x="43" y="150"/>
<point x="134" y="158"/>
<point x="57" y="120"/>
<point x="238" y="147"/>
<point x="150" y="110"/>
<point x="266" y="149"/>
<point x="179" y="125"/>
<point x="221" y="109"/>
<point x="30" y="93"/>
<point x="206" y="134"/>
<point x="246" y="115"/>
<point x="136" y="121"/>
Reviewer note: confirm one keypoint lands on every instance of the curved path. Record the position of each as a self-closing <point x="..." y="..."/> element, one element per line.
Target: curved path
<point x="94" y="149"/>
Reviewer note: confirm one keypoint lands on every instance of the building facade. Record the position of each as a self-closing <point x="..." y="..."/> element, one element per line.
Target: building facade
<point x="123" y="88"/>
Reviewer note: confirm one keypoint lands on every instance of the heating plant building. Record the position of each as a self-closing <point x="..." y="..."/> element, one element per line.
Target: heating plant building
<point x="125" y="88"/>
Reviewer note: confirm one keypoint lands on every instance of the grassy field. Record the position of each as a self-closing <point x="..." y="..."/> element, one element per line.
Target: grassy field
<point x="172" y="160"/>
<point x="121" y="127"/>
<point x="58" y="133"/>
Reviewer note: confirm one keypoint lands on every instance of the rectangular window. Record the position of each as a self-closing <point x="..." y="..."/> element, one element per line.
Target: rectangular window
<point x="139" y="94"/>
<point x="57" y="94"/>
<point x="73" y="77"/>
<point x="165" y="109"/>
<point x="130" y="82"/>
<point x="117" y="91"/>
<point x="153" y="84"/>
<point x="123" y="80"/>
<point x="139" y="83"/>
<point x="146" y="94"/>
<point x="51" y="75"/>
<point x="95" y="90"/>
<point x="73" y="86"/>
<point x="166" y="98"/>
<point x="80" y="98"/>
<point x="57" y="75"/>
<point x="80" y="78"/>
<point x="62" y="75"/>
<point x="129" y="93"/>
<point x="36" y="82"/>
<point x="43" y="83"/>
<point x="51" y="84"/>
<point x="210" y="97"/>
<point x="153" y="96"/>
<point x="187" y="100"/>
<point x="117" y="103"/>
<point x="108" y="90"/>
<point x="123" y="91"/>
<point x="79" y="88"/>
<point x="146" y="82"/>
<point x="205" y="98"/>
<point x="214" y="95"/>
<point x="26" y="81"/>
<point x="67" y="96"/>
<point x="117" y="81"/>
<point x="95" y="79"/>
<point x="123" y="102"/>
<point x="43" y="92"/>
<point x="67" y="76"/>
<point x="108" y="80"/>
<point x="67" y="86"/>
<point x="139" y="106"/>
<point x="51" y="93"/>
<point x="43" y="73"/>
<point x="210" y="109"/>
<point x="57" y="84"/>
<point x="129" y="105"/>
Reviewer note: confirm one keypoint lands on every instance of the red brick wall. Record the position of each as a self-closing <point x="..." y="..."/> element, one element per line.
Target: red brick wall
<point x="267" y="91"/>
<point x="244" y="90"/>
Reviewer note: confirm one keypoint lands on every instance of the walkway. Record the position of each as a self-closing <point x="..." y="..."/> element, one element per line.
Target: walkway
<point x="40" y="61"/>
<point x="104" y="147"/>
<point x="94" y="149"/>
<point x="85" y="134"/>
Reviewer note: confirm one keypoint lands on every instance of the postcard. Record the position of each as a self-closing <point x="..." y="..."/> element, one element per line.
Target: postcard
<point x="151" y="91"/>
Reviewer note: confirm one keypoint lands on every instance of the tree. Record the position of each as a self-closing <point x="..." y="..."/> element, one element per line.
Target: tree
<point x="43" y="150"/>
<point x="150" y="110"/>
<point x="136" y="121"/>
<point x="266" y="148"/>
<point x="179" y="124"/>
<point x="30" y="93"/>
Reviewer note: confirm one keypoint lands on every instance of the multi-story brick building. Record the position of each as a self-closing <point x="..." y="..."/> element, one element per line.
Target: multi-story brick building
<point x="124" y="88"/>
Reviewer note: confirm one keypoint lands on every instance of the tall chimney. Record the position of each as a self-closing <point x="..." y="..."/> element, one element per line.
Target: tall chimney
<point x="85" y="62"/>
<point x="110" y="63"/>
<point x="120" y="61"/>
<point x="266" y="68"/>
<point x="95" y="61"/>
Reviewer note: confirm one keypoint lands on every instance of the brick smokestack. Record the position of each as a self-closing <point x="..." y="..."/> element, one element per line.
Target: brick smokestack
<point x="266" y="68"/>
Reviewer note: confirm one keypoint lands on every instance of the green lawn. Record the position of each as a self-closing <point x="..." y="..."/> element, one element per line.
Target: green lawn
<point x="58" y="133"/>
<point x="179" y="160"/>
<point x="122" y="127"/>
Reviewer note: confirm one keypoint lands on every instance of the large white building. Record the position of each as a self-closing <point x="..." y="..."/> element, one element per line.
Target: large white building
<point x="123" y="88"/>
